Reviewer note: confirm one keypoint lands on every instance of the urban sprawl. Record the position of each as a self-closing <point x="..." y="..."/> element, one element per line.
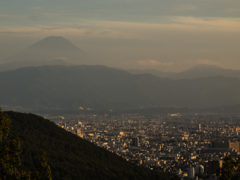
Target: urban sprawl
<point x="192" y="146"/>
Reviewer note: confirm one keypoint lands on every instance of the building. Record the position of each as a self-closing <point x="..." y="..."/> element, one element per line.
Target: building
<point x="79" y="132"/>
<point x="191" y="172"/>
<point x="135" y="141"/>
<point x="199" y="169"/>
<point x="226" y="144"/>
<point x="213" y="166"/>
<point x="199" y="127"/>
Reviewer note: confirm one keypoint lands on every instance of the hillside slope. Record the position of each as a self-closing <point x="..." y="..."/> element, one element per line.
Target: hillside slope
<point x="199" y="71"/>
<point x="70" y="157"/>
<point x="154" y="72"/>
<point x="203" y="71"/>
<point x="108" y="88"/>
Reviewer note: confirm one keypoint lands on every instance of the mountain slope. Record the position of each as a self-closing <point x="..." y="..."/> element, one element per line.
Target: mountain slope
<point x="201" y="71"/>
<point x="87" y="86"/>
<point x="46" y="52"/>
<point x="20" y="64"/>
<point x="101" y="87"/>
<point x="55" y="43"/>
<point x="70" y="157"/>
<point x="154" y="72"/>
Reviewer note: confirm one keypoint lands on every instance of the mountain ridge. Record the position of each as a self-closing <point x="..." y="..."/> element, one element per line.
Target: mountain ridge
<point x="58" y="42"/>
<point x="198" y="71"/>
<point x="102" y="87"/>
<point x="206" y="71"/>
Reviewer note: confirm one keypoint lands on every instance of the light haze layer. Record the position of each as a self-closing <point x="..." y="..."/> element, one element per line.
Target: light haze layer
<point x="133" y="34"/>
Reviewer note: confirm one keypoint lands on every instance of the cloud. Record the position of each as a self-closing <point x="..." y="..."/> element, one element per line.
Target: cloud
<point x="49" y="28"/>
<point x="169" y="66"/>
<point x="208" y="23"/>
<point x="34" y="18"/>
<point x="11" y="16"/>
<point x="207" y="62"/>
<point x="36" y="8"/>
<point x="61" y="58"/>
<point x="18" y="32"/>
<point x="146" y="64"/>
<point x="77" y="26"/>
<point x="165" y="45"/>
<point x="152" y="62"/>
<point x="185" y="8"/>
<point x="134" y="30"/>
<point x="199" y="61"/>
<point x="88" y="33"/>
<point x="106" y="32"/>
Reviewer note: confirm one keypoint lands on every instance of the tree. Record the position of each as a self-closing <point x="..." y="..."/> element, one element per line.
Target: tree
<point x="174" y="177"/>
<point x="236" y="175"/>
<point x="44" y="171"/>
<point x="230" y="169"/>
<point x="10" y="157"/>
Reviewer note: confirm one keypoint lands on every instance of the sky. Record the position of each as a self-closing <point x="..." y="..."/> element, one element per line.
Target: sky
<point x="168" y="35"/>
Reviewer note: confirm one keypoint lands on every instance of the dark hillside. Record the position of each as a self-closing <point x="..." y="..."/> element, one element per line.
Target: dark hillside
<point x="70" y="157"/>
<point x="99" y="87"/>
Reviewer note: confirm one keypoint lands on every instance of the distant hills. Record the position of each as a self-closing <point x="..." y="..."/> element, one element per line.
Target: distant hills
<point x="69" y="156"/>
<point x="52" y="50"/>
<point x="154" y="72"/>
<point x="56" y="50"/>
<point x="199" y="71"/>
<point x="99" y="87"/>
<point x="206" y="71"/>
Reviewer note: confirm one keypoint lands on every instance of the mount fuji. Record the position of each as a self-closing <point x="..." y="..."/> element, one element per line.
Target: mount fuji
<point x="54" y="50"/>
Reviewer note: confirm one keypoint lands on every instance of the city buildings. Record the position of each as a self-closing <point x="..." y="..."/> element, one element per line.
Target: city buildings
<point x="192" y="146"/>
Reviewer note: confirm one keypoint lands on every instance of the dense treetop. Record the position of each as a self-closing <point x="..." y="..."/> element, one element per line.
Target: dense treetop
<point x="10" y="161"/>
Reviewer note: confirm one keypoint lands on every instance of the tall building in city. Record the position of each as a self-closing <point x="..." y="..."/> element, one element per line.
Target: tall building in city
<point x="135" y="141"/>
<point x="213" y="166"/>
<point x="191" y="172"/>
<point x="199" y="127"/>
<point x="79" y="132"/>
<point x="199" y="169"/>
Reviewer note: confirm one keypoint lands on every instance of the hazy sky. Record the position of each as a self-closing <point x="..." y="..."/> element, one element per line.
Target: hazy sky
<point x="169" y="35"/>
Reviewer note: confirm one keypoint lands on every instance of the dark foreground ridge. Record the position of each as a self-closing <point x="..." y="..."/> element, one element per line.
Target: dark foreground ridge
<point x="69" y="156"/>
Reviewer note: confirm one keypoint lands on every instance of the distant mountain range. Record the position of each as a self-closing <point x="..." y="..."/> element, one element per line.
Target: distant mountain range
<point x="199" y="71"/>
<point x="108" y="88"/>
<point x="52" y="50"/>
<point x="56" y="50"/>
<point x="49" y="74"/>
<point x="154" y="72"/>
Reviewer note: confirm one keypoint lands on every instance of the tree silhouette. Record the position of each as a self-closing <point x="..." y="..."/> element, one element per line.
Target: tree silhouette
<point x="230" y="169"/>
<point x="10" y="161"/>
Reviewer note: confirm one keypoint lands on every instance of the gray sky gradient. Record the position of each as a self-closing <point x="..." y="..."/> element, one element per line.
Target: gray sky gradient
<point x="169" y="35"/>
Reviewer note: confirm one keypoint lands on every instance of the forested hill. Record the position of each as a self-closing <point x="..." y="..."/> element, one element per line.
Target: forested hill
<point x="102" y="87"/>
<point x="70" y="157"/>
